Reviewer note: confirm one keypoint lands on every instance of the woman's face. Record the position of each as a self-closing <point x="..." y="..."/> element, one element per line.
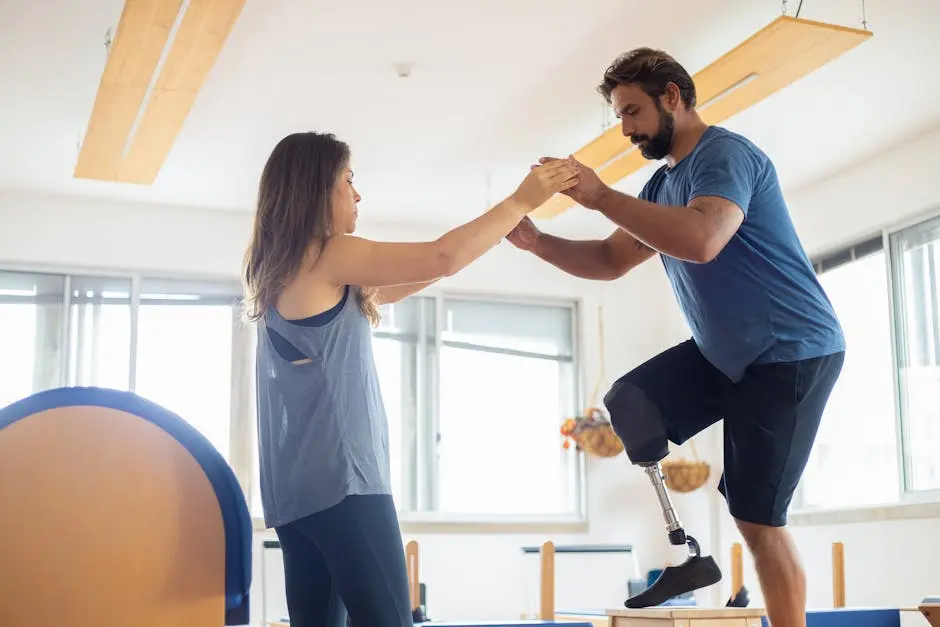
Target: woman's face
<point x="345" y="199"/>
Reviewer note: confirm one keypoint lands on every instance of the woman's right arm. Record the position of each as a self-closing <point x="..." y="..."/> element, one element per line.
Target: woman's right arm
<point x="351" y="260"/>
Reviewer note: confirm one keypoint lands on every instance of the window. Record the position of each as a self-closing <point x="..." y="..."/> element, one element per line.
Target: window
<point x="507" y="381"/>
<point x="916" y="279"/>
<point x="854" y="461"/>
<point x="169" y="341"/>
<point x="470" y="387"/>
<point x="99" y="325"/>
<point x="185" y="353"/>
<point x="403" y="350"/>
<point x="32" y="315"/>
<point x="881" y="429"/>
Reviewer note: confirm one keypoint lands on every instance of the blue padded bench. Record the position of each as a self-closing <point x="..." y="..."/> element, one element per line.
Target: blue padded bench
<point x="852" y="617"/>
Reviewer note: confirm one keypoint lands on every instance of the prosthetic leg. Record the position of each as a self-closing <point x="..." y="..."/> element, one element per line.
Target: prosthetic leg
<point x="639" y="425"/>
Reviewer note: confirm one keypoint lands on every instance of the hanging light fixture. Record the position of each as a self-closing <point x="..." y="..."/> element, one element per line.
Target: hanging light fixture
<point x="160" y="56"/>
<point x="774" y="57"/>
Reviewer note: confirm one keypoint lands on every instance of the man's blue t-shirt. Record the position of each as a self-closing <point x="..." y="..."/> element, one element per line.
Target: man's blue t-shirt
<point x="759" y="300"/>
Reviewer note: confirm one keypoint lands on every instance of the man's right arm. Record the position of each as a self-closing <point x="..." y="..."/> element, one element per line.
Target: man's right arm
<point x="601" y="260"/>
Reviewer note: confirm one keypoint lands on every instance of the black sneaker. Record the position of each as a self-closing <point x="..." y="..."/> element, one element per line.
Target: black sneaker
<point x="741" y="599"/>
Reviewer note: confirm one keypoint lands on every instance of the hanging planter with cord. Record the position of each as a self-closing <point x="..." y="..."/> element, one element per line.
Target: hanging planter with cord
<point x="591" y="431"/>
<point x="683" y="475"/>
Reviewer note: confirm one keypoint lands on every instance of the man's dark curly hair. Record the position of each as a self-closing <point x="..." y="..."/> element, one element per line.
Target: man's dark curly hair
<point x="651" y="70"/>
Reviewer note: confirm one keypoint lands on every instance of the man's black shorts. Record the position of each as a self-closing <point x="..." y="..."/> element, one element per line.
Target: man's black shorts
<point x="770" y="420"/>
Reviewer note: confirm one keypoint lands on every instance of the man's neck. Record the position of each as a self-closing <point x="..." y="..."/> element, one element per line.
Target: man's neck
<point x="687" y="137"/>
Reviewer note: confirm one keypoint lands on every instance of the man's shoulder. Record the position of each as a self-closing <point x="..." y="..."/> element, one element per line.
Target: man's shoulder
<point x="653" y="183"/>
<point x="718" y="139"/>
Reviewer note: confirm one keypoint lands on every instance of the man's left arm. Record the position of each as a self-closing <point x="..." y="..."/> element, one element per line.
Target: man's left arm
<point x="723" y="180"/>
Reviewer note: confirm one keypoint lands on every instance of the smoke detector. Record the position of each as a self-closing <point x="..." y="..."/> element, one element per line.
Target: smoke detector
<point x="403" y="70"/>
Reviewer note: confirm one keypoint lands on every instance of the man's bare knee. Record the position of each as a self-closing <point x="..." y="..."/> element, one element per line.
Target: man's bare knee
<point x="758" y="536"/>
<point x="769" y="544"/>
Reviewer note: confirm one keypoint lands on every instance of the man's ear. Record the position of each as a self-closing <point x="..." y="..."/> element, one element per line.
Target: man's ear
<point x="671" y="97"/>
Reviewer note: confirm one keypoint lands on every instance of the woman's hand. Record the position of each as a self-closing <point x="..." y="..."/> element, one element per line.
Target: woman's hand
<point x="543" y="181"/>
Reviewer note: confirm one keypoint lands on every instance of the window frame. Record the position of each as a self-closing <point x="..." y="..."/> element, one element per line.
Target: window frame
<point x="908" y="494"/>
<point x="243" y="453"/>
<point x="911" y="503"/>
<point x="436" y="521"/>
<point x="241" y="413"/>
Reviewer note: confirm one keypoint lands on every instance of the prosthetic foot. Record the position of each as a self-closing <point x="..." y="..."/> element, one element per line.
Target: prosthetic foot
<point x="694" y="573"/>
<point x="639" y="425"/>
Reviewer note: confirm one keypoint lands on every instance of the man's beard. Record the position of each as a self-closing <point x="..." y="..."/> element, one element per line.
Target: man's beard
<point x="658" y="146"/>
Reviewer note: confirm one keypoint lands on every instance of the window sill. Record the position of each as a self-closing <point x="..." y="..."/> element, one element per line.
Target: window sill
<point x="875" y="513"/>
<point x="412" y="523"/>
<point x="443" y="523"/>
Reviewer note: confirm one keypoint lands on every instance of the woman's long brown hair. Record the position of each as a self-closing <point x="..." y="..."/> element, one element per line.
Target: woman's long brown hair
<point x="294" y="212"/>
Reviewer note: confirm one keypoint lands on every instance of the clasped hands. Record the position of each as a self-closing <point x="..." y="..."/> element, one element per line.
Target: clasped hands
<point x="586" y="192"/>
<point x="589" y="188"/>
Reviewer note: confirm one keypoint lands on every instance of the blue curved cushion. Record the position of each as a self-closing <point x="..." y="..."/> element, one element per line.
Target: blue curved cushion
<point x="236" y="518"/>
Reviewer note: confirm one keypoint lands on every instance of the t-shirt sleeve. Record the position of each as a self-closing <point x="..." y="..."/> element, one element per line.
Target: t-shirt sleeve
<point x="728" y="168"/>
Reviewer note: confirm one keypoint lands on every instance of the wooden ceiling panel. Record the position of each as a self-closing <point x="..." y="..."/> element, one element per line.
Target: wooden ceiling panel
<point x="133" y="126"/>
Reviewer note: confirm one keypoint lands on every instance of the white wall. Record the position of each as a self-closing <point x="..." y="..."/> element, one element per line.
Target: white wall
<point x="468" y="576"/>
<point x="885" y="189"/>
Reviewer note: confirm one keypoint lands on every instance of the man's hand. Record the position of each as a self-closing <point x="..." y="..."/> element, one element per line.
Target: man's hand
<point x="524" y="235"/>
<point x="541" y="183"/>
<point x="589" y="188"/>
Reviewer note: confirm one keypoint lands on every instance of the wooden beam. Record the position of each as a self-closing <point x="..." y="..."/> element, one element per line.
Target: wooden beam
<point x="776" y="56"/>
<point x="737" y="568"/>
<point x="109" y="152"/>
<point x="838" y="574"/>
<point x="412" y="564"/>
<point x="547" y="581"/>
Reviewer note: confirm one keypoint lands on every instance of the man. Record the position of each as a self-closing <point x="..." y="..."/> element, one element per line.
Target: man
<point x="766" y="345"/>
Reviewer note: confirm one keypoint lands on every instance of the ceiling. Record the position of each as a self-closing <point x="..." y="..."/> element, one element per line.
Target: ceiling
<point x="494" y="84"/>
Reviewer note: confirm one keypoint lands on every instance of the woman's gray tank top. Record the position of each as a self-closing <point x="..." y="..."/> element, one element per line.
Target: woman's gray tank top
<point x="322" y="428"/>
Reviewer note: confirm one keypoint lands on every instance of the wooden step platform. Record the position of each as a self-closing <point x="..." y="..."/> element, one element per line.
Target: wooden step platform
<point x="687" y="617"/>
<point x="930" y="608"/>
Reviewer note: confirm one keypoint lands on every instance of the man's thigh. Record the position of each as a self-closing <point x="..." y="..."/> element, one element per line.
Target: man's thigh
<point x="679" y="385"/>
<point x="771" y="419"/>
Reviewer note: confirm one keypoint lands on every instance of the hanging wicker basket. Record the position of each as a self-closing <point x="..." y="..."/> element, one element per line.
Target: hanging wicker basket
<point x="592" y="433"/>
<point x="684" y="475"/>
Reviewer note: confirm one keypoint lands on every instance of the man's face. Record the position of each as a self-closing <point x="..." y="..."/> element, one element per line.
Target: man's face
<point x="644" y="120"/>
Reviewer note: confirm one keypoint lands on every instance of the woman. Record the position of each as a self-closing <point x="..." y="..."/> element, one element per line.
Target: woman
<point x="315" y="288"/>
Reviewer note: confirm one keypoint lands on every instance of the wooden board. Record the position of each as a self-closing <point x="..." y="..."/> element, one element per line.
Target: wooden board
<point x="687" y="617"/>
<point x="776" y="56"/>
<point x="141" y="35"/>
